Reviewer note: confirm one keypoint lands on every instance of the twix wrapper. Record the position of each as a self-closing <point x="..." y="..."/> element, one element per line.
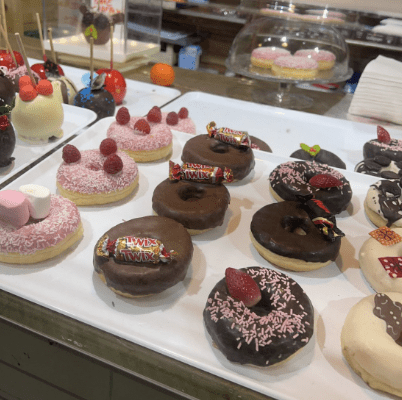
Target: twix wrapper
<point x="230" y="136"/>
<point x="199" y="173"/>
<point x="134" y="249"/>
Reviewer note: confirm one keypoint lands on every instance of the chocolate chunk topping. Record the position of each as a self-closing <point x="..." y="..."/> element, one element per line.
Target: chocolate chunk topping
<point x="382" y="160"/>
<point x="391" y="312"/>
<point x="372" y="165"/>
<point x="389" y="175"/>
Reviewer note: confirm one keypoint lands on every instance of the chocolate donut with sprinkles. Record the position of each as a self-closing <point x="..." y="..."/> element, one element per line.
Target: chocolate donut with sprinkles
<point x="258" y="316"/>
<point x="294" y="179"/>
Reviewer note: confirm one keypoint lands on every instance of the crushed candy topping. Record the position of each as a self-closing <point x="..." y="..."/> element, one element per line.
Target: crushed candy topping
<point x="385" y="236"/>
<point x="393" y="265"/>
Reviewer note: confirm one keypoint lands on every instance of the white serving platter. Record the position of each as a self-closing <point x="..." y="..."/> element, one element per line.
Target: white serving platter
<point x="283" y="130"/>
<point x="75" y="119"/>
<point x="140" y="97"/>
<point x="171" y="323"/>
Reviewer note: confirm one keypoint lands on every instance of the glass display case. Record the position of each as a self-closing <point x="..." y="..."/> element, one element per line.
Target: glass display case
<point x="136" y="27"/>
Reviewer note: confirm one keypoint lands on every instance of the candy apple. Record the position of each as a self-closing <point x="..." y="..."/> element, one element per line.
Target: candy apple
<point x="114" y="83"/>
<point x="47" y="69"/>
<point x="7" y="61"/>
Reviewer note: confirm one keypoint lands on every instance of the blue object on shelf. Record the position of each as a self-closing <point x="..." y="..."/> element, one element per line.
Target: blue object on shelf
<point x="189" y="57"/>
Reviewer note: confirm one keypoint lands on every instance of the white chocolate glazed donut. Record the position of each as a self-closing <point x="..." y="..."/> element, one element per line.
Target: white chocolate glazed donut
<point x="369" y="349"/>
<point x="377" y="276"/>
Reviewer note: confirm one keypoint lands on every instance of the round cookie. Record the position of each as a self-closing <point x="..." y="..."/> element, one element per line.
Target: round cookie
<point x="264" y="57"/>
<point x="249" y="335"/>
<point x="290" y="180"/>
<point x="367" y="343"/>
<point x="383" y="203"/>
<point x="134" y="279"/>
<point x="381" y="264"/>
<point x="292" y="67"/>
<point x="197" y="206"/>
<point x="202" y="149"/>
<point x="286" y="235"/>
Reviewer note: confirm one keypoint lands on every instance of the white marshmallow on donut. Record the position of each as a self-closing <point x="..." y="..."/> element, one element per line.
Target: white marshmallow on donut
<point x="39" y="200"/>
<point x="377" y="276"/>
<point x="369" y="349"/>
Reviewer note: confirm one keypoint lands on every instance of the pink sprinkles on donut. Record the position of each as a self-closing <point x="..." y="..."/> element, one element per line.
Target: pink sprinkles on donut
<point x="395" y="145"/>
<point x="260" y="330"/>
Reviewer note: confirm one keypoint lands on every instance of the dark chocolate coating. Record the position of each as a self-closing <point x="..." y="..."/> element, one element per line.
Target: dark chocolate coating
<point x="195" y="205"/>
<point x="261" y="144"/>
<point x="374" y="166"/>
<point x="7" y="146"/>
<point x="140" y="279"/>
<point x="232" y="339"/>
<point x="289" y="185"/>
<point x="323" y="157"/>
<point x="202" y="149"/>
<point x="374" y="147"/>
<point x="274" y="227"/>
<point x="7" y="92"/>
<point x="101" y="101"/>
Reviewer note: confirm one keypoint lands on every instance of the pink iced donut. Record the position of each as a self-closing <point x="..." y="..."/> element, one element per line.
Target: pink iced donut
<point x="325" y="58"/>
<point x="295" y="67"/>
<point x="142" y="147"/>
<point x="43" y="239"/>
<point x="184" y="125"/>
<point x="86" y="182"/>
<point x="264" y="56"/>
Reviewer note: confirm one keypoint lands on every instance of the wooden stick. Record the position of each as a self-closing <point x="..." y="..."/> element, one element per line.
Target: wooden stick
<point x="91" y="58"/>
<point x="8" y="45"/>
<point x="111" y="46"/>
<point x="41" y="37"/>
<point x="50" y="36"/>
<point x="3" y="12"/>
<point x="25" y="58"/>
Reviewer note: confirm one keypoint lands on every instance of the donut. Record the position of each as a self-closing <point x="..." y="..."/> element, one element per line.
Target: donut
<point x="286" y="234"/>
<point x="383" y="203"/>
<point x="268" y="333"/>
<point x="321" y="156"/>
<point x="292" y="67"/>
<point x="381" y="261"/>
<point x="292" y="179"/>
<point x="135" y="279"/>
<point x="197" y="206"/>
<point x="325" y="59"/>
<point x="95" y="178"/>
<point x="264" y="56"/>
<point x="371" y="341"/>
<point x="141" y="139"/>
<point x="384" y="145"/>
<point x="202" y="149"/>
<point x="258" y="144"/>
<point x="44" y="238"/>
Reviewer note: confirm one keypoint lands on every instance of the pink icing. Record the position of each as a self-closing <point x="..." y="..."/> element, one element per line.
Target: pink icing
<point x="185" y="125"/>
<point x="87" y="175"/>
<point x="296" y="62"/>
<point x="20" y="71"/>
<point x="394" y="145"/>
<point x="14" y="208"/>
<point x="269" y="53"/>
<point x="63" y="219"/>
<point x="320" y="55"/>
<point x="127" y="139"/>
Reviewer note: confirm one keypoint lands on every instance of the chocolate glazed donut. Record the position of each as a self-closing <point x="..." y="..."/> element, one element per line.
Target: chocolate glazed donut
<point x="276" y="227"/>
<point x="202" y="149"/>
<point x="374" y="147"/>
<point x="134" y="279"/>
<point x="195" y="205"/>
<point x="323" y="157"/>
<point x="256" y="335"/>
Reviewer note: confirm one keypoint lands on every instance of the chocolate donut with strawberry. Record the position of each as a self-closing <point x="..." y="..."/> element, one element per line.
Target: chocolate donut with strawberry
<point x="382" y="156"/>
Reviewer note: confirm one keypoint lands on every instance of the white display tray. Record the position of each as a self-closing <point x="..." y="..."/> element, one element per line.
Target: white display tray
<point x="75" y="119"/>
<point x="283" y="130"/>
<point x="171" y="323"/>
<point x="140" y="97"/>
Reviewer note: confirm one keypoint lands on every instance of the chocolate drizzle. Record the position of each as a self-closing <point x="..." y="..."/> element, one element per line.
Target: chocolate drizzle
<point x="391" y="312"/>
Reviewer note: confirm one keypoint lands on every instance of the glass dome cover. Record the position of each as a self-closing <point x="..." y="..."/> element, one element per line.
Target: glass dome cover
<point x="287" y="37"/>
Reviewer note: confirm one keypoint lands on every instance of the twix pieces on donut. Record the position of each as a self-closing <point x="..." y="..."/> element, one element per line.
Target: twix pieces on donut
<point x="199" y="173"/>
<point x="227" y="135"/>
<point x="134" y="249"/>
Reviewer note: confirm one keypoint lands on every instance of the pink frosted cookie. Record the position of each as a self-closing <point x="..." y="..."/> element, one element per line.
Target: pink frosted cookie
<point x="143" y="139"/>
<point x="44" y="239"/>
<point x="96" y="176"/>
<point x="264" y="56"/>
<point x="324" y="58"/>
<point x="295" y="67"/>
